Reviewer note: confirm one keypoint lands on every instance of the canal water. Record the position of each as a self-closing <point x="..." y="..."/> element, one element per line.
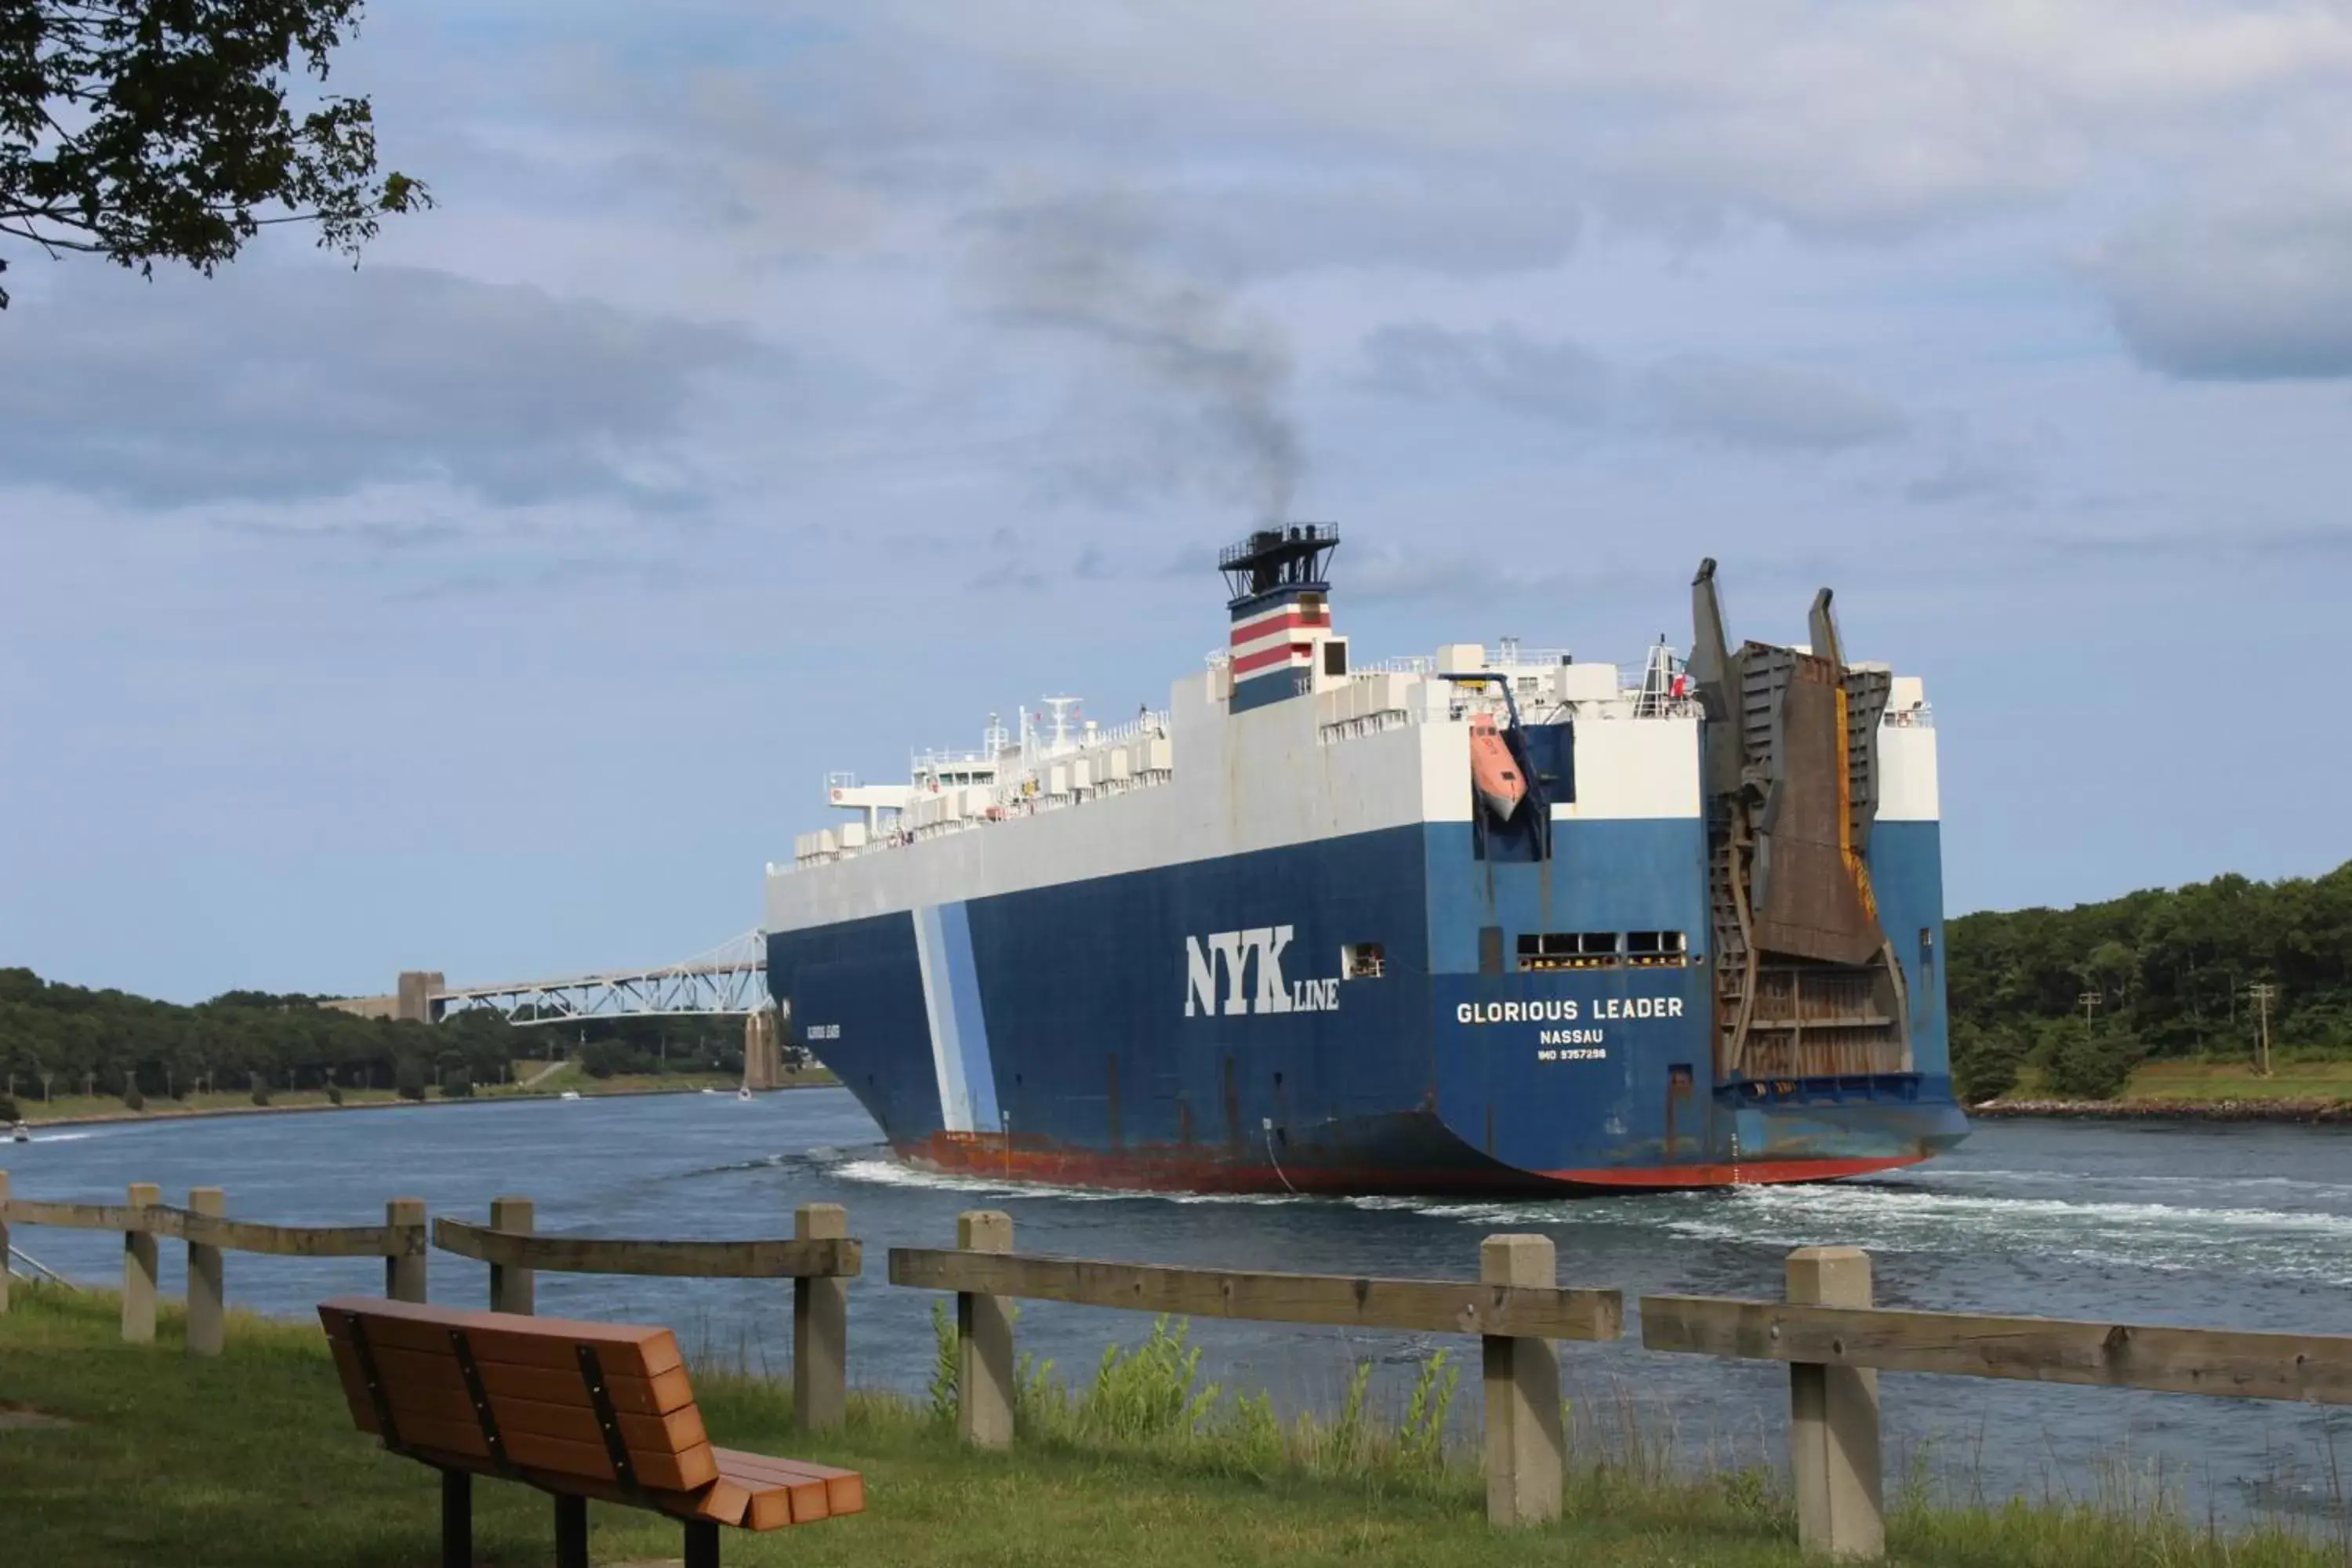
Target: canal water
<point x="2218" y="1226"/>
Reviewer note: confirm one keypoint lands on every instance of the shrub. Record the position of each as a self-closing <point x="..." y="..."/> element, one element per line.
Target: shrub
<point x="408" y="1079"/>
<point x="334" y="1095"/>
<point x="1985" y="1063"/>
<point x="2084" y="1065"/>
<point x="8" y="1111"/>
<point x="458" y="1085"/>
<point x="260" y="1092"/>
<point x="605" y="1058"/>
<point x="131" y="1099"/>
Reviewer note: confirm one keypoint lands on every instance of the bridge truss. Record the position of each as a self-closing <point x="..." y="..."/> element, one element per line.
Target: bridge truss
<point x="731" y="978"/>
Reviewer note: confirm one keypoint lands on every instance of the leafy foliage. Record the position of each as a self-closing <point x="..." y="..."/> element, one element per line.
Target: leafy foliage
<point x="251" y="1040"/>
<point x="160" y="130"/>
<point x="2168" y="971"/>
<point x="2082" y="1063"/>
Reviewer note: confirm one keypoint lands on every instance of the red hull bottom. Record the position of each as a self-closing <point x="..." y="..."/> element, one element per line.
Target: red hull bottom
<point x="992" y="1156"/>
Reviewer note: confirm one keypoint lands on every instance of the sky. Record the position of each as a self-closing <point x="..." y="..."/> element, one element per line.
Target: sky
<point x="777" y="388"/>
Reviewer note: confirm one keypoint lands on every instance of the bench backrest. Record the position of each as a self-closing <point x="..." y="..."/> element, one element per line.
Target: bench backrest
<point x="499" y="1390"/>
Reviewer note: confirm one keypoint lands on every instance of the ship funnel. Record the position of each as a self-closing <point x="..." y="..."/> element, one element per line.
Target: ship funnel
<point x="1282" y="643"/>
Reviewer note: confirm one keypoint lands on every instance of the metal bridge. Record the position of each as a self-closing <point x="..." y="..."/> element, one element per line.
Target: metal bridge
<point x="731" y="978"/>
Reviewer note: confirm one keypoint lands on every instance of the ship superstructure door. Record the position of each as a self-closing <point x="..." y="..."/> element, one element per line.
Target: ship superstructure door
<point x="1806" y="983"/>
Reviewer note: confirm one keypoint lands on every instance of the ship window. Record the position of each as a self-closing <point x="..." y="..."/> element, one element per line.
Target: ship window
<point x="1335" y="659"/>
<point x="1568" y="950"/>
<point x="1490" y="950"/>
<point x="1656" y="948"/>
<point x="1362" y="960"/>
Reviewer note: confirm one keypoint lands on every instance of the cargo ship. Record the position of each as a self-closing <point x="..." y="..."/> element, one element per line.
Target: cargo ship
<point x="1485" y="920"/>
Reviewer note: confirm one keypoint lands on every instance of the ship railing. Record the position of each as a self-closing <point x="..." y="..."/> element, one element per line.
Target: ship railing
<point x="1922" y="717"/>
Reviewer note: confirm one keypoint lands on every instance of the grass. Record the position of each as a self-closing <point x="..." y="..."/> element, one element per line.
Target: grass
<point x="249" y="1459"/>
<point x="2210" y="1080"/>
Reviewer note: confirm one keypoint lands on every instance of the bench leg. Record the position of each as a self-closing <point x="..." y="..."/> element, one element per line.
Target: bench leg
<point x="701" y="1543"/>
<point x="457" y="1520"/>
<point x="571" y="1532"/>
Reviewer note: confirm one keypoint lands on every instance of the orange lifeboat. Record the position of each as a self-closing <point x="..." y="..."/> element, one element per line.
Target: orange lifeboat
<point x="1494" y="772"/>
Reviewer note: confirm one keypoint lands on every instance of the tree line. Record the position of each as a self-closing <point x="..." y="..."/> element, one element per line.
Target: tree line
<point x="57" y="1038"/>
<point x="2084" y="994"/>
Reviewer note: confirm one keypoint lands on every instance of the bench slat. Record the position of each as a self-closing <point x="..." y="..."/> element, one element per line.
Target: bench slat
<point x="505" y="1338"/>
<point x="658" y="1395"/>
<point x="671" y="1450"/>
<point x="775" y="1501"/>
<point x="584" y="1461"/>
<point x="723" y="1502"/>
<point x="843" y="1490"/>
<point x="569" y="1417"/>
<point x="530" y="1371"/>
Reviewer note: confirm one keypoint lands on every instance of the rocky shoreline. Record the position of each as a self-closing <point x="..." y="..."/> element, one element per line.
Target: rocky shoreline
<point x="2305" y="1111"/>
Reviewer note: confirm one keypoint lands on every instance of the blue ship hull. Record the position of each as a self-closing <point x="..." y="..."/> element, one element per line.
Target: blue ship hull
<point x="1192" y="1025"/>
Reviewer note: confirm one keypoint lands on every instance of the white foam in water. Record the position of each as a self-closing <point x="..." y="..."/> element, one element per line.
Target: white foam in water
<point x="1902" y="1218"/>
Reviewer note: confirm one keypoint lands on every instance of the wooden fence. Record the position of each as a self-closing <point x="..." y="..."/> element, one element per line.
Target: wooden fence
<point x="1836" y="1343"/>
<point x="145" y="1220"/>
<point x="1826" y="1329"/>
<point x="1516" y="1307"/>
<point x="820" y="1260"/>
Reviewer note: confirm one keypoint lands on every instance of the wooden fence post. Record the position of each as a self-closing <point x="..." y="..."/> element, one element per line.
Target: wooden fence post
<point x="1526" y="1454"/>
<point x="208" y="1298"/>
<point x="512" y="1290"/>
<point x="1833" y="1455"/>
<point x="404" y="1270"/>
<point x="139" y="1272"/>
<point x="820" y="1329"/>
<point x="4" y="1241"/>
<point x="983" y="1341"/>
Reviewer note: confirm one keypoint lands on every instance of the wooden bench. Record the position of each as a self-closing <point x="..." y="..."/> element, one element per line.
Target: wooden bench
<point x="578" y="1410"/>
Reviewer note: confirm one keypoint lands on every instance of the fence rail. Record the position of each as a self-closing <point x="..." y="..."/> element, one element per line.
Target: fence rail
<point x="824" y="1258"/>
<point x="1516" y="1307"/>
<point x="1828" y="1331"/>
<point x="2247" y="1365"/>
<point x="166" y="1223"/>
<point x="1427" y="1306"/>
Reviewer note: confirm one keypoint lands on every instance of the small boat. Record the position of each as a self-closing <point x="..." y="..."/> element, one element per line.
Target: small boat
<point x="20" y="1134"/>
<point x="569" y="1094"/>
<point x="744" y="1092"/>
<point x="1492" y="770"/>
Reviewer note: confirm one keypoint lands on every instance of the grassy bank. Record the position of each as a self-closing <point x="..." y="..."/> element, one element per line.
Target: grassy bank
<point x="2313" y="1089"/>
<point x="250" y="1460"/>
<point x="568" y="1077"/>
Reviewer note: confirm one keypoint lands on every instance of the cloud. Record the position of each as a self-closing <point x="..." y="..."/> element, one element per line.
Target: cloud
<point x="1868" y="122"/>
<point x="1691" y="398"/>
<point x="1767" y="405"/>
<point x="297" y="383"/>
<point x="2263" y="294"/>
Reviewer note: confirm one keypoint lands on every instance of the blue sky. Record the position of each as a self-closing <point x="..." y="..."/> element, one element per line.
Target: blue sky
<point x="779" y="387"/>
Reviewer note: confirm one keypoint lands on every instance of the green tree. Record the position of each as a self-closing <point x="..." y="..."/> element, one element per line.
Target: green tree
<point x="2085" y="1064"/>
<point x="1985" y="1062"/>
<point x="147" y="131"/>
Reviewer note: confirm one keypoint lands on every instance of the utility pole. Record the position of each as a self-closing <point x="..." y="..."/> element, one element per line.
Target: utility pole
<point x="2263" y="993"/>
<point x="2090" y="1002"/>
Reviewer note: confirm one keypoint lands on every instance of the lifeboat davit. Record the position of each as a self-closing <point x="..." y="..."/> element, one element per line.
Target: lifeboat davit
<point x="1494" y="772"/>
